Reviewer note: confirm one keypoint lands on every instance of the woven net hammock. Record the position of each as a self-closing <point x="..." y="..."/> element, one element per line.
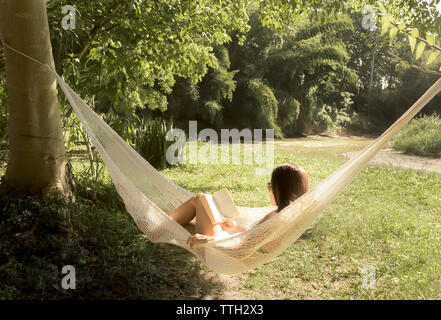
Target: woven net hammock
<point x="146" y="194"/>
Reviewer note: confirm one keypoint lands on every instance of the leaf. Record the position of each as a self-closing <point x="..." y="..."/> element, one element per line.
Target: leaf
<point x="382" y="8"/>
<point x="415" y="33"/>
<point x="401" y="26"/>
<point x="332" y="14"/>
<point x="419" y="50"/>
<point x="412" y="42"/>
<point x="433" y="56"/>
<point x="431" y="39"/>
<point x="385" y="21"/>
<point x="392" y="34"/>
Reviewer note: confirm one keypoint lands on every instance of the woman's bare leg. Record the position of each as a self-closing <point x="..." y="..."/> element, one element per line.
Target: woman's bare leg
<point x="203" y="223"/>
<point x="190" y="227"/>
<point x="204" y="229"/>
<point x="185" y="212"/>
<point x="190" y="209"/>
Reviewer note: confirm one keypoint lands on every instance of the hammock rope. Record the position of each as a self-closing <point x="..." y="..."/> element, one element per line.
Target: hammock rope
<point x="146" y="193"/>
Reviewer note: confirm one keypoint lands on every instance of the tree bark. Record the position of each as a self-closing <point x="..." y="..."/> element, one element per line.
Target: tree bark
<point x="37" y="163"/>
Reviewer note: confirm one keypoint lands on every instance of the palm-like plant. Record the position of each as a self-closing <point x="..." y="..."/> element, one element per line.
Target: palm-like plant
<point x="310" y="67"/>
<point x="149" y="139"/>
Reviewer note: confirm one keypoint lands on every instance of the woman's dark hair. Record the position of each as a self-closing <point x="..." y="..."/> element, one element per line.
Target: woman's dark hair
<point x="289" y="182"/>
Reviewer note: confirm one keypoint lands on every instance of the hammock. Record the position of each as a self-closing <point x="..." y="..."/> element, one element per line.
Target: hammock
<point x="146" y="193"/>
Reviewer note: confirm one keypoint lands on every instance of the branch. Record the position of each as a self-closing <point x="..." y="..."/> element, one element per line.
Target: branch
<point x="416" y="67"/>
<point x="97" y="28"/>
<point x="418" y="38"/>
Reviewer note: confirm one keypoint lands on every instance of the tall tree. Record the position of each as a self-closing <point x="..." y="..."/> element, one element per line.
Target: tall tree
<point x="37" y="157"/>
<point x="132" y="48"/>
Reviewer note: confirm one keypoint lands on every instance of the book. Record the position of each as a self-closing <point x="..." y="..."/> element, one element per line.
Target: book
<point x="219" y="204"/>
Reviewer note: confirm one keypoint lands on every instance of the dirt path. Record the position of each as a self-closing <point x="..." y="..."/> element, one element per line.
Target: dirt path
<point x="347" y="147"/>
<point x="399" y="159"/>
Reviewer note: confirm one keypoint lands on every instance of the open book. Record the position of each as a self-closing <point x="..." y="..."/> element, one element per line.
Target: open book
<point x="219" y="204"/>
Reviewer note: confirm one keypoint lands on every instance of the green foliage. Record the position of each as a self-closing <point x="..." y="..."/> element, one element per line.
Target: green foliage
<point x="384" y="106"/>
<point x="219" y="83"/>
<point x="258" y="106"/>
<point x="387" y="88"/>
<point x="149" y="139"/>
<point x="310" y="66"/>
<point x="332" y="119"/>
<point x="75" y="135"/>
<point x="300" y="73"/>
<point x="421" y="137"/>
<point x="367" y="50"/>
<point x="127" y="53"/>
<point x="422" y="14"/>
<point x="205" y="101"/>
<point x="418" y="43"/>
<point x="288" y="112"/>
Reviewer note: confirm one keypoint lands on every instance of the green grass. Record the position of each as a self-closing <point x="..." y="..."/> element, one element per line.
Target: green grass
<point x="421" y="137"/>
<point x="112" y="258"/>
<point x="388" y="218"/>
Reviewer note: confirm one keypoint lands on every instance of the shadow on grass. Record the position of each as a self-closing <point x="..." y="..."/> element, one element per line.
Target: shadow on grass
<point x="112" y="258"/>
<point x="187" y="277"/>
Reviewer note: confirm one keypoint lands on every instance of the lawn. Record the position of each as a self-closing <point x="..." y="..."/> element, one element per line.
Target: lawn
<point x="386" y="225"/>
<point x="380" y="239"/>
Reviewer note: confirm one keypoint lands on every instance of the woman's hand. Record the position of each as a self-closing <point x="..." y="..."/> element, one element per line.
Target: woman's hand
<point x="198" y="239"/>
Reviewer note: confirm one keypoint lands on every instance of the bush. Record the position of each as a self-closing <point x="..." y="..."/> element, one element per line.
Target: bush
<point x="150" y="142"/>
<point x="255" y="106"/>
<point x="421" y="137"/>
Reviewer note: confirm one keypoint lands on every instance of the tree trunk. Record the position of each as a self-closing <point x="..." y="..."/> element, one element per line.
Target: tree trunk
<point x="303" y="117"/>
<point x="37" y="161"/>
<point x="374" y="52"/>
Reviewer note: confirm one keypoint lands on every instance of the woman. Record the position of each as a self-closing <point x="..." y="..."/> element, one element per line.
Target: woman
<point x="288" y="182"/>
